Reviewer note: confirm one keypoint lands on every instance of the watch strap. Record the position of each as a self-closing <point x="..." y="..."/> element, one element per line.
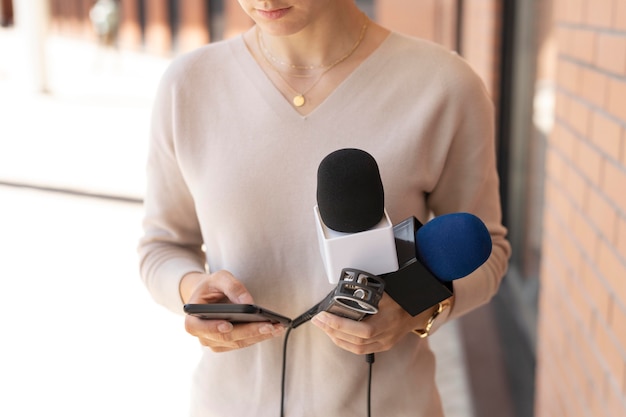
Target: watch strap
<point x="427" y="329"/>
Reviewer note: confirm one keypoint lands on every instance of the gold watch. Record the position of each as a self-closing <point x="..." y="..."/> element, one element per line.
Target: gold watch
<point x="425" y="332"/>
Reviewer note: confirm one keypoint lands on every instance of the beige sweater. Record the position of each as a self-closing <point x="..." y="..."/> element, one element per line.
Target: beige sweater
<point x="232" y="170"/>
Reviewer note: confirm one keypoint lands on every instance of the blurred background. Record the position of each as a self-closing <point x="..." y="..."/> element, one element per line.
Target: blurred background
<point x="81" y="335"/>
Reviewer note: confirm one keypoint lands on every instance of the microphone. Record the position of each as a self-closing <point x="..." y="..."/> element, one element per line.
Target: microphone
<point x="453" y="245"/>
<point x="366" y="255"/>
<point x="352" y="224"/>
<point x="355" y="234"/>
<point x="446" y="248"/>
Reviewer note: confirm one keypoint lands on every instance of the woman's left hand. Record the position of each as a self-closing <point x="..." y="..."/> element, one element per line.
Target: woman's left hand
<point x="377" y="333"/>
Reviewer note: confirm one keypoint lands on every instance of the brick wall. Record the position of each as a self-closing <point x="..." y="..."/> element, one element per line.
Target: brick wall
<point x="581" y="351"/>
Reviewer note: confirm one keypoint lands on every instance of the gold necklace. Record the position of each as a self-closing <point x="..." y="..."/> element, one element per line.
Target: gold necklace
<point x="287" y="64"/>
<point x="298" y="99"/>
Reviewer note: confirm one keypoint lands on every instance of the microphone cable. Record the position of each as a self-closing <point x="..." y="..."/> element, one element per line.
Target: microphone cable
<point x="369" y="358"/>
<point x="284" y="372"/>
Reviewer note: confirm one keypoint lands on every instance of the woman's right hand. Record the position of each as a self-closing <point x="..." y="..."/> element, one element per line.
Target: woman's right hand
<point x="221" y="335"/>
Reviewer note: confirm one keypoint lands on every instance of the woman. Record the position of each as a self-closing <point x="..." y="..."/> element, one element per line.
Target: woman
<point x="239" y="128"/>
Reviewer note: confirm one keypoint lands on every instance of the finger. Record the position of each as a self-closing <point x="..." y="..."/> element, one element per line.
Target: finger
<point x="231" y="287"/>
<point x="220" y="285"/>
<point x="199" y="327"/>
<point x="226" y="345"/>
<point x="366" y="339"/>
<point x="220" y="334"/>
<point x="358" y="348"/>
<point x="344" y="328"/>
<point x="242" y="336"/>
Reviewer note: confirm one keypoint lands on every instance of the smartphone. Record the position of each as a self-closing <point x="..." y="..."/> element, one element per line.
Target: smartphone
<point x="235" y="313"/>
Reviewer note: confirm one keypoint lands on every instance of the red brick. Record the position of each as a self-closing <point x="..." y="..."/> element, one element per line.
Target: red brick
<point x="610" y="265"/>
<point x="596" y="400"/>
<point x="569" y="75"/>
<point x="620" y="243"/>
<point x="606" y="134"/>
<point x="579" y="117"/>
<point x="593" y="86"/>
<point x="569" y="146"/>
<point x="592" y="359"/>
<point x="616" y="401"/>
<point x="611" y="53"/>
<point x="602" y="215"/>
<point x="561" y="105"/>
<point x="576" y="188"/>
<point x="554" y="165"/>
<point x="550" y="224"/>
<point x="614" y="185"/>
<point x="618" y="322"/>
<point x="599" y="295"/>
<point x="579" y="298"/>
<point x="586" y="234"/>
<point x="559" y="204"/>
<point x="562" y="36"/>
<point x="599" y="13"/>
<point x="623" y="142"/>
<point x="589" y="161"/>
<point x="619" y="19"/>
<point x="571" y="11"/>
<point x="584" y="45"/>
<point x="616" y="98"/>
<point x="608" y="349"/>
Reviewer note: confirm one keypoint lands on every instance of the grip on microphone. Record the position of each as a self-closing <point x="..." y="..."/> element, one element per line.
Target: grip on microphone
<point x="413" y="286"/>
<point x="356" y="295"/>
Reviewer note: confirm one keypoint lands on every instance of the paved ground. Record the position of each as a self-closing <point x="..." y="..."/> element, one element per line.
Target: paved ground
<point x="80" y="334"/>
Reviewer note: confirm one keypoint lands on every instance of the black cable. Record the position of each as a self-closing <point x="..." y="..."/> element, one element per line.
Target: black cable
<point x="284" y="372"/>
<point x="306" y="316"/>
<point x="369" y="358"/>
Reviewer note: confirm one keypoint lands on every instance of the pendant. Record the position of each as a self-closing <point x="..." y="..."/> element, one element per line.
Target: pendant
<point x="298" y="100"/>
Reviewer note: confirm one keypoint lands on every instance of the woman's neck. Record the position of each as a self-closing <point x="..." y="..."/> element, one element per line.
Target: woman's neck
<point x="319" y="44"/>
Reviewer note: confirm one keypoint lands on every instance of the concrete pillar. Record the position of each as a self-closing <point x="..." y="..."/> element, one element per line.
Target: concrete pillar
<point x="74" y="17"/>
<point x="85" y="26"/>
<point x="446" y="18"/>
<point x="56" y="19"/>
<point x="193" y="26"/>
<point x="237" y="21"/>
<point x="6" y="12"/>
<point x="130" y="29"/>
<point x="434" y="20"/>
<point x="158" y="31"/>
<point x="411" y="17"/>
<point x="31" y="17"/>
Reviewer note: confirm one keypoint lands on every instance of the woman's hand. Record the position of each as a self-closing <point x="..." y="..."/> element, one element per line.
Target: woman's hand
<point x="377" y="333"/>
<point x="221" y="335"/>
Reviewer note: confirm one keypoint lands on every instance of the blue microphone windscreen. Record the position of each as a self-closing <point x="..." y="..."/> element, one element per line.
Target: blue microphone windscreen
<point x="453" y="245"/>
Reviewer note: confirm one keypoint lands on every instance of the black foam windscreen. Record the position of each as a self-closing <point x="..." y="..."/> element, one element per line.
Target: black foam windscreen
<point x="350" y="193"/>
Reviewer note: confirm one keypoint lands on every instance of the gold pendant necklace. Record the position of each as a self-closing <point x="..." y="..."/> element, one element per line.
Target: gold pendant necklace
<point x="299" y="99"/>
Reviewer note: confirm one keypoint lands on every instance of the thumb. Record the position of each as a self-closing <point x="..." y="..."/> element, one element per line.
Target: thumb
<point x="231" y="287"/>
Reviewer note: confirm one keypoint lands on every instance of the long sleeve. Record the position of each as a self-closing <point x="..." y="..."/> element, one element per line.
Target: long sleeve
<point x="232" y="185"/>
<point x="172" y="243"/>
<point x="469" y="183"/>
